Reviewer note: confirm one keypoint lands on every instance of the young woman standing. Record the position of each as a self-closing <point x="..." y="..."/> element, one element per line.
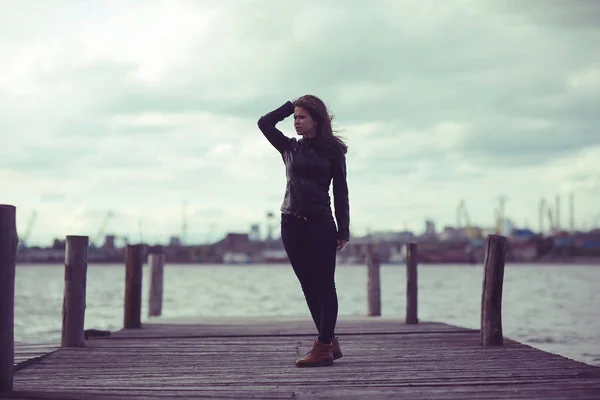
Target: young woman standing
<point x="308" y="230"/>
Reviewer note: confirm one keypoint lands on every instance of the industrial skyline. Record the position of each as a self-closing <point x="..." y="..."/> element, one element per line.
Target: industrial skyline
<point x="551" y="216"/>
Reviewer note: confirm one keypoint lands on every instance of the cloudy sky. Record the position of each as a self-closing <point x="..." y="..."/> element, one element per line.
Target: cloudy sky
<point x="139" y="106"/>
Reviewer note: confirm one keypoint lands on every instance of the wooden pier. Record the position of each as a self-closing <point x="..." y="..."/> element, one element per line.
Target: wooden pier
<point x="254" y="359"/>
<point x="251" y="358"/>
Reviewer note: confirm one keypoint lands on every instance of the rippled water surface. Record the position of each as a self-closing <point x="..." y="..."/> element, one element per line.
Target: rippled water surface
<point x="552" y="307"/>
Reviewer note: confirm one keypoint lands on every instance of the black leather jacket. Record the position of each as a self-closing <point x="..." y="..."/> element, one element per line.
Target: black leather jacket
<point x="311" y="165"/>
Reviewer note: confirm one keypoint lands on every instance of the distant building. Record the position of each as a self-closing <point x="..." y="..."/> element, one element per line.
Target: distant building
<point x="429" y="228"/>
<point x="109" y="242"/>
<point x="235" y="248"/>
<point x="58" y="244"/>
<point x="255" y="232"/>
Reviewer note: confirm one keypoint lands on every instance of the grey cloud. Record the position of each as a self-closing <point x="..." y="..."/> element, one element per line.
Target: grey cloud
<point x="52" y="197"/>
<point x="582" y="14"/>
<point x="490" y="69"/>
<point x="146" y="131"/>
<point x="503" y="141"/>
<point x="38" y="13"/>
<point x="211" y="212"/>
<point x="56" y="160"/>
<point x="161" y="100"/>
<point x="441" y="74"/>
<point x="35" y="162"/>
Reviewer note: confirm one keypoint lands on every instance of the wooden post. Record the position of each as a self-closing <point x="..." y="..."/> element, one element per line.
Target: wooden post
<point x="411" y="284"/>
<point x="491" y="296"/>
<point x="76" y="253"/>
<point x="133" y="286"/>
<point x="157" y="263"/>
<point x="373" y="282"/>
<point x="8" y="260"/>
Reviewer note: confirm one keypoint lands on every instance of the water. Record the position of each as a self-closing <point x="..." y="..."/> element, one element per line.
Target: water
<point x="551" y="307"/>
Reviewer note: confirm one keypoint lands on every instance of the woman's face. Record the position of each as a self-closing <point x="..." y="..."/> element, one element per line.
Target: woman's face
<point x="304" y="124"/>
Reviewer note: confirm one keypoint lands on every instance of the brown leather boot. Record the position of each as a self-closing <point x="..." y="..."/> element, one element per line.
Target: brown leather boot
<point x="335" y="349"/>
<point x="321" y="355"/>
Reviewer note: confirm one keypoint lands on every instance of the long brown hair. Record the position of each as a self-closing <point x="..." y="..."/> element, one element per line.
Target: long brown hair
<point x="320" y="113"/>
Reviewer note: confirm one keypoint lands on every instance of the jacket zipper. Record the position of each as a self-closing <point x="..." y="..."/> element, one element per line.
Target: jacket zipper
<point x="301" y="214"/>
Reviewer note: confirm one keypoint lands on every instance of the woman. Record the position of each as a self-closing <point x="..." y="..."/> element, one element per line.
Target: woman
<point x="308" y="231"/>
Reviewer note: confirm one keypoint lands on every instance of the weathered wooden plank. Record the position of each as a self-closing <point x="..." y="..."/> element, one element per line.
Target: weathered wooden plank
<point x="195" y="327"/>
<point x="200" y="393"/>
<point x="416" y="363"/>
<point x="148" y="368"/>
<point x="28" y="353"/>
<point x="500" y="391"/>
<point x="411" y="393"/>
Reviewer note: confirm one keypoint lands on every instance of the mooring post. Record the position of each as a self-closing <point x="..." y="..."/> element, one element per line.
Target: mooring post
<point x="133" y="286"/>
<point x="156" y="259"/>
<point x="76" y="258"/>
<point x="412" y="286"/>
<point x="8" y="259"/>
<point x="373" y="281"/>
<point x="491" y="296"/>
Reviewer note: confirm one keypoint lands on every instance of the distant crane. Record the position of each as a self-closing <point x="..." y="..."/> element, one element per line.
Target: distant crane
<point x="500" y="215"/>
<point x="461" y="211"/>
<point x="102" y="230"/>
<point x="545" y="209"/>
<point x="184" y="223"/>
<point x="596" y="222"/>
<point x="25" y="238"/>
<point x="211" y="233"/>
<point x="270" y="227"/>
<point x="140" y="223"/>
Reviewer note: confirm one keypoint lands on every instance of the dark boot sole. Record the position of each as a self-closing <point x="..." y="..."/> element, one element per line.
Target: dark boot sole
<point x="319" y="364"/>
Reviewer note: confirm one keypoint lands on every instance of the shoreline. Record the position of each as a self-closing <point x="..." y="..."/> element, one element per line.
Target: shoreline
<point x="588" y="261"/>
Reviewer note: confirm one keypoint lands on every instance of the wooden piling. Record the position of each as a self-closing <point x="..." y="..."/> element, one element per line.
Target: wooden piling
<point x="157" y="263"/>
<point x="76" y="253"/>
<point x="373" y="282"/>
<point x="411" y="284"/>
<point x="133" y="286"/>
<point x="8" y="258"/>
<point x="491" y="296"/>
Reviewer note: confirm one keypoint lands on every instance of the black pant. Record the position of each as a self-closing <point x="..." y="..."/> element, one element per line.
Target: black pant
<point x="311" y="247"/>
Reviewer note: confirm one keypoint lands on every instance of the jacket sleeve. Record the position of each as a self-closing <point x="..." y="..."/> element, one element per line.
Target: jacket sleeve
<point x="267" y="123"/>
<point x="340" y="197"/>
